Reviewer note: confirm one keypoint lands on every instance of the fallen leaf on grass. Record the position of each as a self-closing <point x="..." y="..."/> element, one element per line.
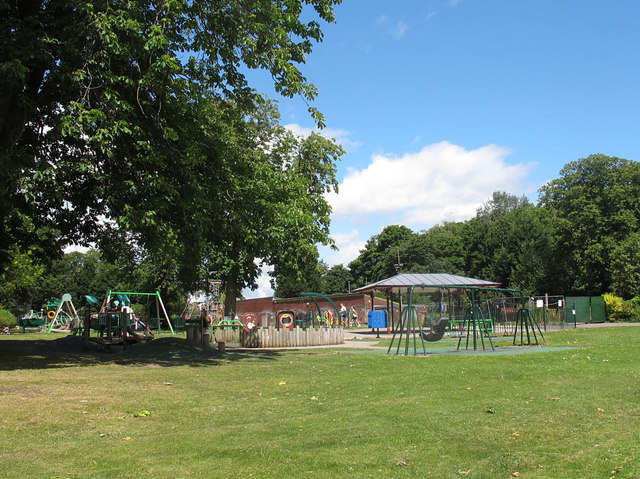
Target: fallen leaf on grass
<point x="401" y="463"/>
<point x="144" y="413"/>
<point x="515" y="474"/>
<point x="281" y="383"/>
<point x="600" y="409"/>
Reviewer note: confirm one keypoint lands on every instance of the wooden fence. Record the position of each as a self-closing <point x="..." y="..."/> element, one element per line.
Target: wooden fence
<point x="279" y="338"/>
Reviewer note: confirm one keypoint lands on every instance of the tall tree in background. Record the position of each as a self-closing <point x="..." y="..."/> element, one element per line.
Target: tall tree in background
<point x="337" y="280"/>
<point x="625" y="267"/>
<point x="376" y="261"/>
<point x="514" y="248"/>
<point x="290" y="279"/>
<point x="437" y="250"/>
<point x="100" y="102"/>
<point x="596" y="203"/>
<point x="485" y="237"/>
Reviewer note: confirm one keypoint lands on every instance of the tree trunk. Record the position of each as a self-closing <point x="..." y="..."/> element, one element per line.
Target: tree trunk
<point x="231" y="292"/>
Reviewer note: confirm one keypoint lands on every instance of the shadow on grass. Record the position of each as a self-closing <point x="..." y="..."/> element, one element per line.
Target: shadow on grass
<point x="71" y="352"/>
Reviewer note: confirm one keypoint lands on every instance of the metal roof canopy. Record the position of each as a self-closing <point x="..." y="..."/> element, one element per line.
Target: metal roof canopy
<point x="431" y="281"/>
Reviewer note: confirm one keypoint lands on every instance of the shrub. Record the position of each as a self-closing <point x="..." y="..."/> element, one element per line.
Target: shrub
<point x="7" y="319"/>
<point x="614" y="306"/>
<point x="632" y="306"/>
<point x="621" y="310"/>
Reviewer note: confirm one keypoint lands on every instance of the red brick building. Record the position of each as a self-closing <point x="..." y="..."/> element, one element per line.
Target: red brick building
<point x="265" y="310"/>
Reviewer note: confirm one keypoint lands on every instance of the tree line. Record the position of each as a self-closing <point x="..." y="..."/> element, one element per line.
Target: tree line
<point x="581" y="238"/>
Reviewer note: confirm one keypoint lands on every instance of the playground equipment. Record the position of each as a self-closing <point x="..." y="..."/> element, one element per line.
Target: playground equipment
<point x="228" y="322"/>
<point x="210" y="301"/>
<point x="437" y="331"/>
<point x="161" y="312"/>
<point x="32" y="319"/>
<point x="286" y="319"/>
<point x="61" y="315"/>
<point x="116" y="323"/>
<point x="329" y="318"/>
<point x="474" y="325"/>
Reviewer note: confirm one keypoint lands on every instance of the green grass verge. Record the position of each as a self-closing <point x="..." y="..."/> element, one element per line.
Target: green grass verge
<point x="166" y="410"/>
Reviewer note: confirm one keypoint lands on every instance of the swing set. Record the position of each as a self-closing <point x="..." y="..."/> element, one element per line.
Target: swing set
<point x="474" y="325"/>
<point x="61" y="315"/>
<point x="161" y="312"/>
<point x="116" y="323"/>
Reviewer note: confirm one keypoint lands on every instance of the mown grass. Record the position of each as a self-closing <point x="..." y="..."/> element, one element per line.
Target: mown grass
<point x="321" y="413"/>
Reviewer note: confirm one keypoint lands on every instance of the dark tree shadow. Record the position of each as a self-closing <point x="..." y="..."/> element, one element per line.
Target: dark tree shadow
<point x="69" y="351"/>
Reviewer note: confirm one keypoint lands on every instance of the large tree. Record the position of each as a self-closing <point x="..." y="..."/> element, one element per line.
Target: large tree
<point x="380" y="255"/>
<point x="513" y="247"/>
<point x="596" y="203"/>
<point x="101" y="108"/>
<point x="276" y="209"/>
<point x="625" y="267"/>
<point x="437" y="250"/>
<point x="337" y="280"/>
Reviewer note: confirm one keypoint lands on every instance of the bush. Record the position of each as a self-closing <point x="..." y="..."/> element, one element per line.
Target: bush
<point x="621" y="310"/>
<point x="7" y="319"/>
<point x="632" y="306"/>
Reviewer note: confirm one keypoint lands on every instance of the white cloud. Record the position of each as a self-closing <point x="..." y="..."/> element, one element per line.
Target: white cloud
<point x="401" y="29"/>
<point x="382" y="19"/>
<point x="349" y="245"/>
<point x="72" y="248"/>
<point x="441" y="182"/>
<point x="264" y="289"/>
<point x="392" y="27"/>
<point x="340" y="136"/>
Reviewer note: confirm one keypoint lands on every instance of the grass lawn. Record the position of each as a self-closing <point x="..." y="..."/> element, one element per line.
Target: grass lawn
<point x="166" y="410"/>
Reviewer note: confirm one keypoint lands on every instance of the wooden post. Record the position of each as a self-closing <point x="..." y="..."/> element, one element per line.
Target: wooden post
<point x="158" y="314"/>
<point x="159" y="299"/>
<point x="87" y="327"/>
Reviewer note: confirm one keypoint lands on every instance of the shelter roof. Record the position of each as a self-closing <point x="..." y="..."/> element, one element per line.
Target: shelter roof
<point x="433" y="281"/>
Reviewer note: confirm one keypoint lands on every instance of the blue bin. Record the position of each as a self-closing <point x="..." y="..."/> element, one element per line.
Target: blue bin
<point x="377" y="319"/>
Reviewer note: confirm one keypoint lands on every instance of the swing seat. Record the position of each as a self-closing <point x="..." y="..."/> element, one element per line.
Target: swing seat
<point x="437" y="331"/>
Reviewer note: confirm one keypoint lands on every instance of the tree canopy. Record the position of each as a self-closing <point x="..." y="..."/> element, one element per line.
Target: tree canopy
<point x="579" y="239"/>
<point x="596" y="203"/>
<point x="132" y="125"/>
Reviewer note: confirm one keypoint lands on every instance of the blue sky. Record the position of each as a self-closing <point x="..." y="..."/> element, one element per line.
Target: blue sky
<point x="439" y="103"/>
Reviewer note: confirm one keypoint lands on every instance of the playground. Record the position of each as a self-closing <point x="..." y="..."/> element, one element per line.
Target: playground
<point x="168" y="409"/>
